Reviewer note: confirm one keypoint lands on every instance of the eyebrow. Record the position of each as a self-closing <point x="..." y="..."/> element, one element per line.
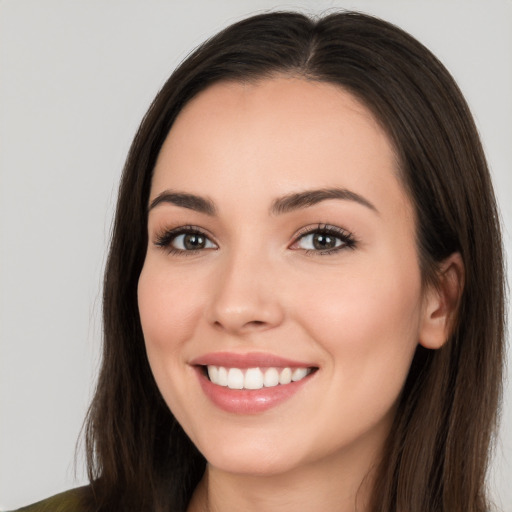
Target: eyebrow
<point x="285" y="204"/>
<point x="309" y="198"/>
<point x="190" y="201"/>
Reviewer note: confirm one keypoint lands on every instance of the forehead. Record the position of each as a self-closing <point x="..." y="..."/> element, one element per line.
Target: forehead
<point x="277" y="136"/>
<point x="299" y="106"/>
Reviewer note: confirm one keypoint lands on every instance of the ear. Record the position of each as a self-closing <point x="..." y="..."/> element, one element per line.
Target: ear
<point x="441" y="303"/>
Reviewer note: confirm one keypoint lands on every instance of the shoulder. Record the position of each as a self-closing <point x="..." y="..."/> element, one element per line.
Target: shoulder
<point x="74" y="500"/>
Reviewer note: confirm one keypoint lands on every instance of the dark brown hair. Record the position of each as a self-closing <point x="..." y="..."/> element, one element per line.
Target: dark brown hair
<point x="436" y="455"/>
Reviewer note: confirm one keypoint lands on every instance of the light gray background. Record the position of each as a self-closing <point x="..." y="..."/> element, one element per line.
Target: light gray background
<point x="75" y="79"/>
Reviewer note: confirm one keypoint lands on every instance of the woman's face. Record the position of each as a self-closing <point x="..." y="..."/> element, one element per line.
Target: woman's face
<point x="281" y="246"/>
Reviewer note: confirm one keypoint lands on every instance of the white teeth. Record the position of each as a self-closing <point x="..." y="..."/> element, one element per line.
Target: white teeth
<point x="254" y="378"/>
<point x="223" y="377"/>
<point x="299" y="373"/>
<point x="286" y="376"/>
<point x="235" y="378"/>
<point x="213" y="373"/>
<point x="271" y="378"/>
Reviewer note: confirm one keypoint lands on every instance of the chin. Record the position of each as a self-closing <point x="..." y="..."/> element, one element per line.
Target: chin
<point x="252" y="466"/>
<point x="262" y="457"/>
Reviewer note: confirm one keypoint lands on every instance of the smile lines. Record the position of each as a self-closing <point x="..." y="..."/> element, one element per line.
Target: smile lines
<point x="255" y="378"/>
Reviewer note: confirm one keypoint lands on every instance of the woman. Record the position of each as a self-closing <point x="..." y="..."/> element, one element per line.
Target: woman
<point x="303" y="302"/>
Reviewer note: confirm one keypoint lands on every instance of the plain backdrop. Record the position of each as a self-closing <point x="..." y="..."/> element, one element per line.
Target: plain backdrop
<point x="75" y="79"/>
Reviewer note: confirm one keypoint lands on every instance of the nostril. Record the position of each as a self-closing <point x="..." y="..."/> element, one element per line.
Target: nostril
<point x="254" y="324"/>
<point x="245" y="327"/>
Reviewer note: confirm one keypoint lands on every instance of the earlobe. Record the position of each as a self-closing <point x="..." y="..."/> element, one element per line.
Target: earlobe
<point x="441" y="303"/>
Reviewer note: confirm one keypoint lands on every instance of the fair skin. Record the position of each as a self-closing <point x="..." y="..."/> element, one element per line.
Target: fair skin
<point x="331" y="284"/>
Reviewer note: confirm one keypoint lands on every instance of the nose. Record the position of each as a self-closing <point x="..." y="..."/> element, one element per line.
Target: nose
<point x="245" y="298"/>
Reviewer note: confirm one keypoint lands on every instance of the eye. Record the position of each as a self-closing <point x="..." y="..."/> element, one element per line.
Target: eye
<point x="191" y="242"/>
<point x="184" y="239"/>
<point x="323" y="239"/>
<point x="319" y="242"/>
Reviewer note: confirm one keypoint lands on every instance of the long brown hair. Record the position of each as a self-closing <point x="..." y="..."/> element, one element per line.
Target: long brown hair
<point x="436" y="456"/>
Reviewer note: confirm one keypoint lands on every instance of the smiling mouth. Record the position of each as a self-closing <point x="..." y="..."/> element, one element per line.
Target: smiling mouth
<point x="255" y="378"/>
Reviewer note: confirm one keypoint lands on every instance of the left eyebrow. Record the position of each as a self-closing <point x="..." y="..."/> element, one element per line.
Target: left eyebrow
<point x="309" y="198"/>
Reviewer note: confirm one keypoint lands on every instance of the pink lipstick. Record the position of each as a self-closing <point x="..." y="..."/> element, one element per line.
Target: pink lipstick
<point x="250" y="383"/>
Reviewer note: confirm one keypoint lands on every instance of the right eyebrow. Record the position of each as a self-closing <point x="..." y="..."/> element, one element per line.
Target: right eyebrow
<point x="184" y="200"/>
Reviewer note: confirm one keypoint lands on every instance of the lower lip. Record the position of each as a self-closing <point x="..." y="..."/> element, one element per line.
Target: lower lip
<point x="249" y="401"/>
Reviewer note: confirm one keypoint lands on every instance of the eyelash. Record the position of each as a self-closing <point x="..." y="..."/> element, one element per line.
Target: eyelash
<point x="348" y="240"/>
<point x="165" y="239"/>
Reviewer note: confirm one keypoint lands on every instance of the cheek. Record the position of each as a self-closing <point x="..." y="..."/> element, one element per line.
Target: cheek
<point x="367" y="328"/>
<point x="169" y="308"/>
<point x="367" y="323"/>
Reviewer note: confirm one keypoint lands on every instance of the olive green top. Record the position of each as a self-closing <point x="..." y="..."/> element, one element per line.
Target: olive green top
<point x="69" y="501"/>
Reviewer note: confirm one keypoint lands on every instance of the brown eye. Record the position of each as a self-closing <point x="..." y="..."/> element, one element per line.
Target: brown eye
<point x="193" y="241"/>
<point x="184" y="240"/>
<point x="318" y="241"/>
<point x="322" y="241"/>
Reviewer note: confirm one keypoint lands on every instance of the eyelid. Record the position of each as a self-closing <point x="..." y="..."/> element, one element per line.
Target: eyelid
<point x="164" y="237"/>
<point x="347" y="238"/>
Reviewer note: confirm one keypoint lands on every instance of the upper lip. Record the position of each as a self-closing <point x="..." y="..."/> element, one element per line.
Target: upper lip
<point x="247" y="360"/>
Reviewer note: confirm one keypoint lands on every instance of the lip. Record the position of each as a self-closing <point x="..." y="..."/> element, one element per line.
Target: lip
<point x="248" y="401"/>
<point x="248" y="360"/>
